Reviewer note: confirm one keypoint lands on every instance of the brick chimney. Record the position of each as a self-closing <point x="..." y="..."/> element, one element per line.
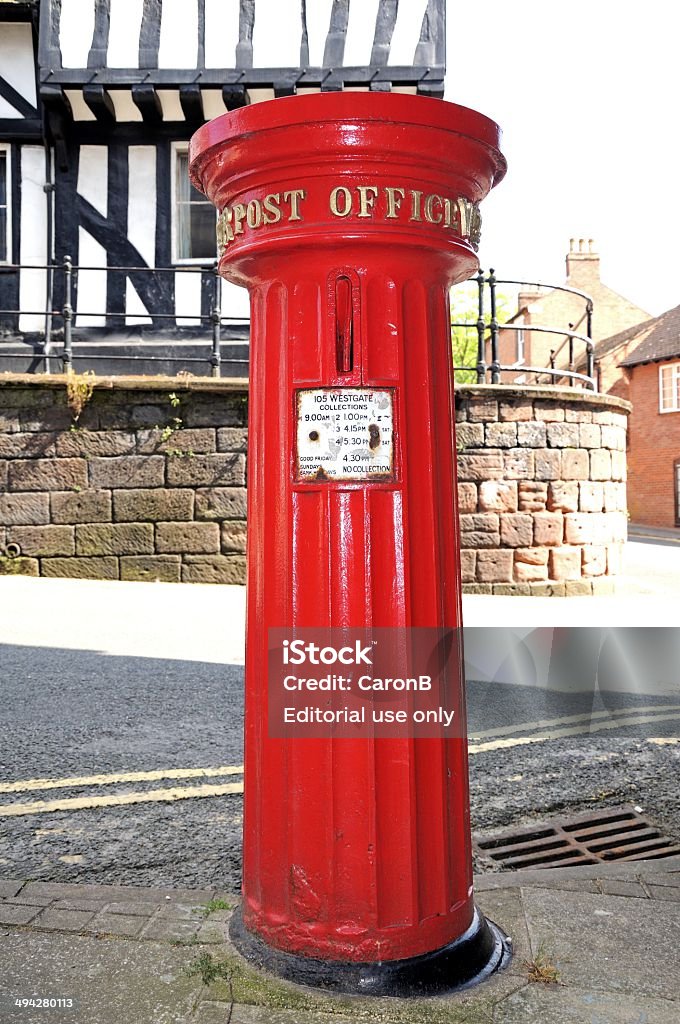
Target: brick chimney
<point x="583" y="263"/>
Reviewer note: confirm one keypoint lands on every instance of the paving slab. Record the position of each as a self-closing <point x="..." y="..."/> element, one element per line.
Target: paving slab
<point x="63" y="920"/>
<point x="264" y="1015"/>
<point x="184" y="911"/>
<point x="665" y="892"/>
<point x="111" y="981"/>
<point x="607" y="943"/>
<point x="134" y="907"/>
<point x="623" y="887"/>
<point x="665" y="872"/>
<point x="109" y="893"/>
<point x="116" y="924"/>
<point x="17" y="913"/>
<point x="504" y="908"/>
<point x="655" y="877"/>
<point x="552" y="1004"/>
<point x="10" y="887"/>
<point x="615" y="949"/>
<point x="170" y="931"/>
<point x="78" y="904"/>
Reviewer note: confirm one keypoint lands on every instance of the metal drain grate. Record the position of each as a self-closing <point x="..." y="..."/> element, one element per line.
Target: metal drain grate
<point x="613" y="835"/>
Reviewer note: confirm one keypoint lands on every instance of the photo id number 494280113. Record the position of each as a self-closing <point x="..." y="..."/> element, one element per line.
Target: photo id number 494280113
<point x="33" y="1002"/>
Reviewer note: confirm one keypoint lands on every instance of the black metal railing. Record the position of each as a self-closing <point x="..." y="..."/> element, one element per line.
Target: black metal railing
<point x="59" y="321"/>
<point x="56" y="339"/>
<point x="488" y="366"/>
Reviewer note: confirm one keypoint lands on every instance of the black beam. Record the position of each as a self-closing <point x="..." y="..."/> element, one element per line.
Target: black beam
<point x="235" y="96"/>
<point x="432" y="87"/>
<point x="384" y="30"/>
<point x="20" y="128"/>
<point x="333" y="82"/>
<point x="253" y="78"/>
<point x="16" y="100"/>
<point x="246" y="24"/>
<point x="49" y="54"/>
<point x="100" y="103"/>
<point x="334" y="50"/>
<point x="150" y="34"/>
<point x="59" y="120"/>
<point x="191" y="103"/>
<point x="16" y="12"/>
<point x="286" y="84"/>
<point x="96" y="58"/>
<point x="146" y="98"/>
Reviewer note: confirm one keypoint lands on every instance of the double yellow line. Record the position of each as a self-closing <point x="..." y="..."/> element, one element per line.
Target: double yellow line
<point x="119" y="799"/>
<point x="492" y="739"/>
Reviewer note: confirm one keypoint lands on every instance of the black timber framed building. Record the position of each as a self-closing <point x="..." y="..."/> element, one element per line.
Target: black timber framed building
<point x="98" y="99"/>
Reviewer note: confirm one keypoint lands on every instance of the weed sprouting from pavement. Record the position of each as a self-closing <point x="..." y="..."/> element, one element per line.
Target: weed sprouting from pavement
<point x="541" y="969"/>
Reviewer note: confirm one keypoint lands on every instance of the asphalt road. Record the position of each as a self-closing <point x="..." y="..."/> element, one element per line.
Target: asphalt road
<point x="133" y="744"/>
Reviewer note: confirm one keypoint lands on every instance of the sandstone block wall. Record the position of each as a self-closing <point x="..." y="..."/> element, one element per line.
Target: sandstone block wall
<point x="148" y="483"/>
<point x="542" y="489"/>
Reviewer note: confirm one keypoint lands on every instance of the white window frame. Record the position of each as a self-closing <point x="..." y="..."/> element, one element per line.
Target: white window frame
<point x="521" y="347"/>
<point x="674" y="370"/>
<point x="177" y="148"/>
<point x="5" y="147"/>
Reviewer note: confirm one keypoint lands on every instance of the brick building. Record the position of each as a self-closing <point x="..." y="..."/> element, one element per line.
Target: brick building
<point x="612" y="314"/>
<point x="650" y="376"/>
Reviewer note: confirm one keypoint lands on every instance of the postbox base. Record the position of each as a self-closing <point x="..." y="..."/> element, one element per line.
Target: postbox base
<point x="481" y="951"/>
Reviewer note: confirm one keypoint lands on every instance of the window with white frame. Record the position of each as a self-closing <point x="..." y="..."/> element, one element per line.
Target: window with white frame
<point x="5" y="209"/>
<point x="193" y="216"/>
<point x="520" y="345"/>
<point x="669" y="388"/>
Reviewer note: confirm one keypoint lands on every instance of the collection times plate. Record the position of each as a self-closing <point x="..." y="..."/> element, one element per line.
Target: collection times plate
<point x="345" y="434"/>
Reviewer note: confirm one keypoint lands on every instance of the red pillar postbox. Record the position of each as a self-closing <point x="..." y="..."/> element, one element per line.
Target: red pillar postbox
<point x="348" y="216"/>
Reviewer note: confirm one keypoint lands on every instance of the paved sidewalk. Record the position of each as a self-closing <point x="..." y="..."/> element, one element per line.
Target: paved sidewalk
<point x="607" y="935"/>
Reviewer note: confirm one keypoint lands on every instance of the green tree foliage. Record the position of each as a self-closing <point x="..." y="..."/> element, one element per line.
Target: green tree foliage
<point x="465" y="310"/>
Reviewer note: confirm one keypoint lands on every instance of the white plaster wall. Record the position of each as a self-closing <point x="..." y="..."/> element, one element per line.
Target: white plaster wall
<point x="134" y="306"/>
<point x="235" y="300"/>
<point x="92" y="185"/>
<point x="213" y="104"/>
<point x="81" y="111"/>
<point x="93" y="177"/>
<point x="33" y="247"/>
<point x="91" y="296"/>
<point x="125" y="107"/>
<point x="141" y="211"/>
<point x="187" y="298"/>
<point x="170" y="105"/>
<point x="16" y="64"/>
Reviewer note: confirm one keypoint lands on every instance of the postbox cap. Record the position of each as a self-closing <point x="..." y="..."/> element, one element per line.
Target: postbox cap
<point x="324" y="108"/>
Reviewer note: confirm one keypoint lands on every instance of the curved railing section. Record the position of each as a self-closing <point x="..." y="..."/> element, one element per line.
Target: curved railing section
<point x="577" y="366"/>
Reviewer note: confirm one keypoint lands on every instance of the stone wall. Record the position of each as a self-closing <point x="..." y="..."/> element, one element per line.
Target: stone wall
<point x="542" y="490"/>
<point x="147" y="483"/>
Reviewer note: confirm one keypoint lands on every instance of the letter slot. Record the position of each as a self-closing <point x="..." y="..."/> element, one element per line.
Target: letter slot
<point x="344" y="325"/>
